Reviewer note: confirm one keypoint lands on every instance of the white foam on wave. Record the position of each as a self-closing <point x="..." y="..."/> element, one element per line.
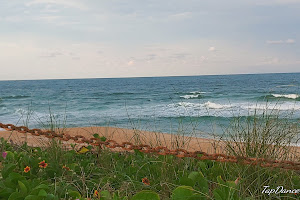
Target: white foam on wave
<point x="272" y="106"/>
<point x="208" y="104"/>
<point x="212" y="105"/>
<point x="197" y="92"/>
<point x="185" y="104"/>
<point x="190" y="96"/>
<point x="289" y="96"/>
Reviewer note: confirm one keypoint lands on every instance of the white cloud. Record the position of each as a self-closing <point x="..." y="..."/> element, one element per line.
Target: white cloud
<point x="180" y="16"/>
<point x="288" y="41"/>
<point x="269" y="61"/>
<point x="212" y="49"/>
<point x="274" y="41"/>
<point x="65" y="3"/>
<point x="130" y="63"/>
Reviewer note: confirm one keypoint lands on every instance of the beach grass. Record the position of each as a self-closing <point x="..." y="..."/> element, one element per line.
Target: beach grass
<point x="54" y="171"/>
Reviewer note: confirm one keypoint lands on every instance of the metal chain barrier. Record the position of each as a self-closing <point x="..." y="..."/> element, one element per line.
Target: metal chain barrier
<point x="128" y="146"/>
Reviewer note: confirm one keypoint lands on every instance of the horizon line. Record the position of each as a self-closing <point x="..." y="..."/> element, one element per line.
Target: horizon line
<point x="153" y="76"/>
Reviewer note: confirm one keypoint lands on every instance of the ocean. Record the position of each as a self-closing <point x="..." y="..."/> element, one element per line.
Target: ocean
<point x="165" y="104"/>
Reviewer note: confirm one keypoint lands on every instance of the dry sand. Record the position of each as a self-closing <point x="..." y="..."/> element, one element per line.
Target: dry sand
<point x="120" y="135"/>
<point x="172" y="141"/>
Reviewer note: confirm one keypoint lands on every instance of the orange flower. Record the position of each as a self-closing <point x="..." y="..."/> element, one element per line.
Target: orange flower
<point x="66" y="168"/>
<point x="96" y="194"/>
<point x="26" y="169"/>
<point x="43" y="164"/>
<point x="146" y="181"/>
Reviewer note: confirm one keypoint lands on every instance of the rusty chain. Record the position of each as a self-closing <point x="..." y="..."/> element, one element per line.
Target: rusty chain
<point x="160" y="150"/>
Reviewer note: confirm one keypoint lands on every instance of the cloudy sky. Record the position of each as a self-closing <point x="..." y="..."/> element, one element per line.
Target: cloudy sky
<point x="41" y="39"/>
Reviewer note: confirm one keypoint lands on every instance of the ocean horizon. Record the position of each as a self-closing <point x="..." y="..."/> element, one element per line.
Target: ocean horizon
<point x="185" y="104"/>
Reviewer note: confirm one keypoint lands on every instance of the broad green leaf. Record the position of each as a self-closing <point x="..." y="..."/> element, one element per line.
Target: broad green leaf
<point x="50" y="197"/>
<point x="33" y="197"/>
<point x="15" y="177"/>
<point x="10" y="155"/>
<point x="16" y="196"/>
<point x="105" y="195"/>
<point x="182" y="193"/>
<point x="203" y="166"/>
<point x="146" y="195"/>
<point x="74" y="194"/>
<point x="37" y="189"/>
<point x="23" y="188"/>
<point x="187" y="181"/>
<point x="42" y="186"/>
<point x="195" y="176"/>
<point x="199" y="177"/>
<point x="217" y="195"/>
<point x="7" y="170"/>
<point x="5" y="193"/>
<point x="42" y="193"/>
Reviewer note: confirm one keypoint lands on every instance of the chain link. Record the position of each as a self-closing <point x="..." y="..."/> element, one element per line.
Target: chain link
<point x="160" y="150"/>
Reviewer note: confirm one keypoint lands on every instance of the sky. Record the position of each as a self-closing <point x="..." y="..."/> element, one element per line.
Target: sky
<point x="62" y="39"/>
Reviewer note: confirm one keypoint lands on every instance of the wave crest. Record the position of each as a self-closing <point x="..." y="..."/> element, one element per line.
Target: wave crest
<point x="212" y="105"/>
<point x="193" y="95"/>
<point x="288" y="96"/>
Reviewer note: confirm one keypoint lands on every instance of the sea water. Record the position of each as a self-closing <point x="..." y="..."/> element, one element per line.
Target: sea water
<point x="166" y="104"/>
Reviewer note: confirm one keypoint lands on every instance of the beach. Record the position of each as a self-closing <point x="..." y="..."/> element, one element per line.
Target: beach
<point x="172" y="141"/>
<point x="154" y="139"/>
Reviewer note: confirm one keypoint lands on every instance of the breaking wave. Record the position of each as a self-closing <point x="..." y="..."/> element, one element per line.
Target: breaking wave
<point x="288" y="96"/>
<point x="193" y="95"/>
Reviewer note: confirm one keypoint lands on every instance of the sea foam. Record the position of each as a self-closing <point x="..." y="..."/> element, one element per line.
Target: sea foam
<point x="193" y="95"/>
<point x="212" y="105"/>
<point x="289" y="96"/>
<point x="190" y="96"/>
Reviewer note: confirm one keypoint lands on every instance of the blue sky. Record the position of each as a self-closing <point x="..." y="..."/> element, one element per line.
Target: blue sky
<point x="42" y="39"/>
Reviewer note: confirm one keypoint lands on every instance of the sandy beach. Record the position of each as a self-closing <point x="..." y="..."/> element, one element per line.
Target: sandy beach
<point x="120" y="135"/>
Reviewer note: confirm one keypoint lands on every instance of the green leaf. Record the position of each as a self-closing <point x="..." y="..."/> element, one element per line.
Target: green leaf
<point x="103" y="139"/>
<point x="195" y="176"/>
<point x="42" y="186"/>
<point x="217" y="195"/>
<point x="33" y="197"/>
<point x="182" y="193"/>
<point x="220" y="180"/>
<point x="10" y="155"/>
<point x="50" y="197"/>
<point x="187" y="181"/>
<point x="7" y="170"/>
<point x="201" y="180"/>
<point x="42" y="193"/>
<point x="105" y="195"/>
<point x="74" y="194"/>
<point x="5" y="193"/>
<point x="23" y="188"/>
<point x="15" y="177"/>
<point x="36" y="190"/>
<point x="16" y="196"/>
<point x="96" y="135"/>
<point x="202" y="166"/>
<point x="146" y="195"/>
